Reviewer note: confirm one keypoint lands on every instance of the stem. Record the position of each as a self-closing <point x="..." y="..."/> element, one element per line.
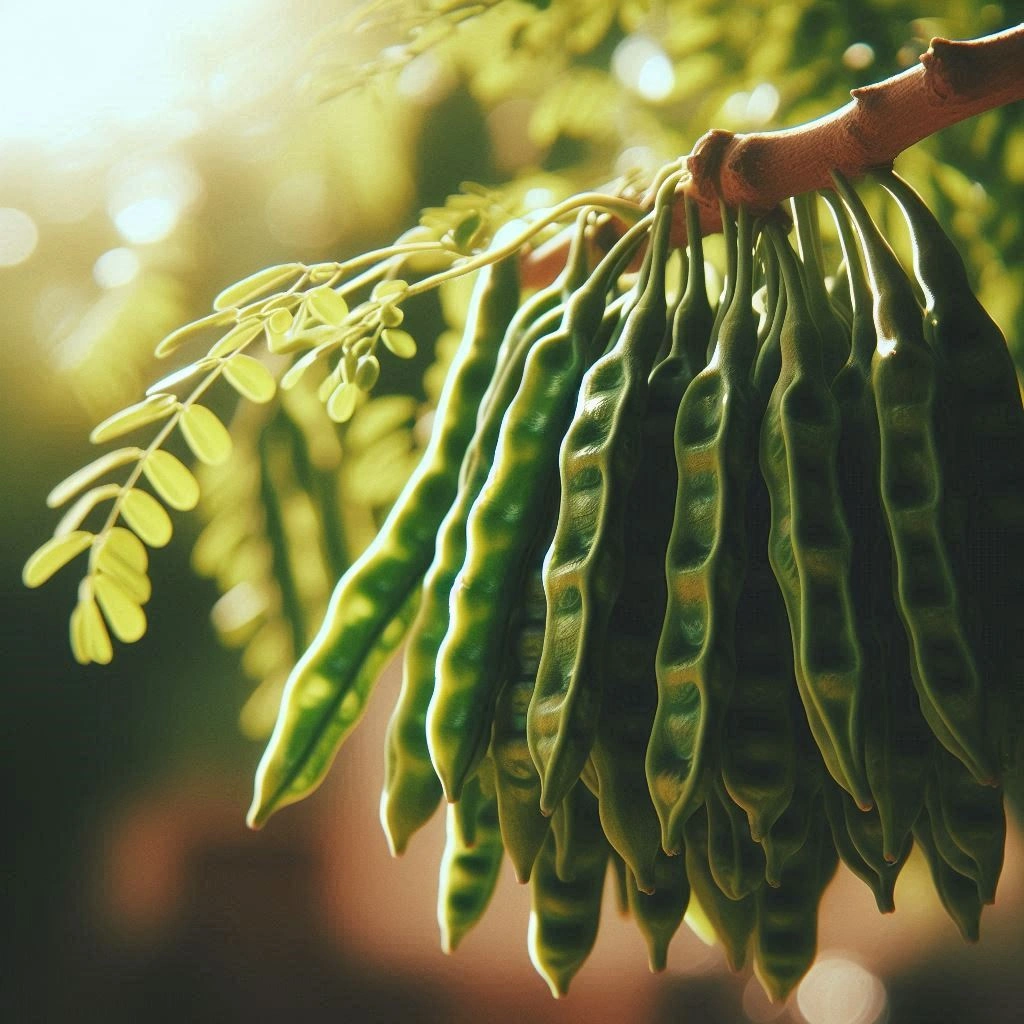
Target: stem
<point x="955" y="80"/>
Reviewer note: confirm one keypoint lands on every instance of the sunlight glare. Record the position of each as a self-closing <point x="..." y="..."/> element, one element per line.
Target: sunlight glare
<point x="79" y="71"/>
<point x="19" y="237"/>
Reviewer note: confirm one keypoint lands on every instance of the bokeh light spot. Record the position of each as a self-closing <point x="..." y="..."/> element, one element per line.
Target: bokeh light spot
<point x="147" y="220"/>
<point x="641" y="64"/>
<point x="19" y="236"/>
<point x="838" y="990"/>
<point x="859" y="56"/>
<point x="116" y="268"/>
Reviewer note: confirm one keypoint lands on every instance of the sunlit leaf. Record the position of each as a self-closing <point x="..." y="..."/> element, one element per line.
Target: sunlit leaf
<point x="367" y="373"/>
<point x="149" y="410"/>
<point x="147" y="517"/>
<point x="299" y="367"/>
<point x="172" y="480"/>
<point x="95" y="639"/>
<point x="75" y="516"/>
<point x="127" y="620"/>
<point x="342" y="402"/>
<point x="237" y="337"/>
<point x="69" y="487"/>
<point x="206" y="435"/>
<point x="327" y="305"/>
<point x="400" y="343"/>
<point x="178" y="338"/>
<point x="251" y="287"/>
<point x="389" y="290"/>
<point x="136" y="582"/>
<point x="54" y="555"/>
<point x="172" y="380"/>
<point x="127" y="547"/>
<point x="250" y="378"/>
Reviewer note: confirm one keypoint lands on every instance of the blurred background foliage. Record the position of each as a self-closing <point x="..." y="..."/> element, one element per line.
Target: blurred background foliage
<point x="152" y="154"/>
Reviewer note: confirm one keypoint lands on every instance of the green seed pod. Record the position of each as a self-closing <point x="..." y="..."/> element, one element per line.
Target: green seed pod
<point x="525" y="463"/>
<point x="757" y="755"/>
<point x="584" y="566"/>
<point x="660" y="913"/>
<point x="705" y="560"/>
<point x="523" y="826"/>
<point x="732" y="920"/>
<point x="897" y="741"/>
<point x="912" y="489"/>
<point x="411" y="787"/>
<point x="786" y="932"/>
<point x="736" y="861"/>
<point x="809" y="544"/>
<point x="789" y="833"/>
<point x="974" y="818"/>
<point x="469" y="867"/>
<point x="958" y="893"/>
<point x="327" y="690"/>
<point x="564" y="916"/>
<point x="986" y="454"/>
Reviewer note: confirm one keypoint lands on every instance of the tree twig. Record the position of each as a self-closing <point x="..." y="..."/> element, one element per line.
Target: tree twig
<point x="955" y="80"/>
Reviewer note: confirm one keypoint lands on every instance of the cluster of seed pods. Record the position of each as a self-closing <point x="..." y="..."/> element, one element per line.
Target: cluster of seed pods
<point x="718" y="596"/>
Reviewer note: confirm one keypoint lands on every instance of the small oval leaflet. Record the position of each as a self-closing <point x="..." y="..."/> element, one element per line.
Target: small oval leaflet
<point x="127" y="620"/>
<point x="391" y="316"/>
<point x="237" y="337"/>
<point x="206" y="435"/>
<point x="172" y="380"/>
<point x="92" y="632"/>
<point x="149" y="410"/>
<point x="178" y="338"/>
<point x="54" y="555"/>
<point x="367" y="373"/>
<point x="249" y="288"/>
<point x="135" y="582"/>
<point x="250" y="378"/>
<point x="327" y="305"/>
<point x="147" y="517"/>
<point x="172" y="480"/>
<point x="127" y="547"/>
<point x="69" y="487"/>
<point x="75" y="516"/>
<point x="400" y="343"/>
<point x="389" y="290"/>
<point x="342" y="402"/>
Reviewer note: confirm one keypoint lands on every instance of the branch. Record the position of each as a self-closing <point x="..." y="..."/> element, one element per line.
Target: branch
<point x="954" y="81"/>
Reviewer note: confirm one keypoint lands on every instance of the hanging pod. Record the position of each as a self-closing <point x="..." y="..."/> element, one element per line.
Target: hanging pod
<point x="584" y="566"/>
<point x="897" y="741"/>
<point x="705" y="559"/>
<point x="368" y="614"/>
<point x="809" y="543"/>
<point x="524" y="464"/>
<point x="985" y="451"/>
<point x="912" y="487"/>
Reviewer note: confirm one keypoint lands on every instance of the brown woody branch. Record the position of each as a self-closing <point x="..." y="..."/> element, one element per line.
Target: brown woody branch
<point x="954" y="80"/>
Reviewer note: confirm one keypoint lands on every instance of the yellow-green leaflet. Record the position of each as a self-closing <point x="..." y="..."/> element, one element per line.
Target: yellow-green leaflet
<point x="122" y="611"/>
<point x="254" y="285"/>
<point x="177" y="338"/>
<point x="149" y="410"/>
<point x="250" y="378"/>
<point x="54" y="555"/>
<point x="327" y="305"/>
<point x="239" y="335"/>
<point x="69" y="487"/>
<point x="147" y="517"/>
<point x="172" y="480"/>
<point x="76" y="515"/>
<point x="206" y="435"/>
